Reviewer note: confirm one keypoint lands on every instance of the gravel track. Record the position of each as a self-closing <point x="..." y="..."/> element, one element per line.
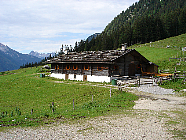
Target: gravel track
<point x="115" y="127"/>
<point x="142" y="123"/>
<point x="154" y="89"/>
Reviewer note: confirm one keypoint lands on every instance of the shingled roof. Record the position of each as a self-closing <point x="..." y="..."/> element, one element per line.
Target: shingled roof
<point x="90" y="56"/>
<point x="108" y="56"/>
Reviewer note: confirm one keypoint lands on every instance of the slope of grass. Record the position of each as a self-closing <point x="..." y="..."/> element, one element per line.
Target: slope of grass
<point x="158" y="53"/>
<point x="24" y="91"/>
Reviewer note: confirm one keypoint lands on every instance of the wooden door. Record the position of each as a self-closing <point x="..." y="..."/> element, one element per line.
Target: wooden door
<point x="84" y="77"/>
<point x="132" y="69"/>
<point x="66" y="76"/>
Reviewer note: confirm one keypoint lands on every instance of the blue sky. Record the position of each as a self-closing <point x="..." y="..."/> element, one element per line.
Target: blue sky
<point x="44" y="25"/>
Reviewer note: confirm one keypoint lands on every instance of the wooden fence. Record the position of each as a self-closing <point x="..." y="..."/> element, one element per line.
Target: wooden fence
<point x="180" y="59"/>
<point x="179" y="75"/>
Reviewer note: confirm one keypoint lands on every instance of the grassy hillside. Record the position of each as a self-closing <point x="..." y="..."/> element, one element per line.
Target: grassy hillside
<point x="158" y="53"/>
<point x="23" y="90"/>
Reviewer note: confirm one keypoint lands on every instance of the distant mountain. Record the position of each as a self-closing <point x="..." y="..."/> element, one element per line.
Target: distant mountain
<point x="11" y="59"/>
<point x="41" y="55"/>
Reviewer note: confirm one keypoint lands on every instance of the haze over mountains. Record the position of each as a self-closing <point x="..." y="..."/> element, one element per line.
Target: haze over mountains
<point x="11" y="59"/>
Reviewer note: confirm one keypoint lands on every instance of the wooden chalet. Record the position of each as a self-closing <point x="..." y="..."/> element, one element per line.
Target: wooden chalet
<point x="100" y="66"/>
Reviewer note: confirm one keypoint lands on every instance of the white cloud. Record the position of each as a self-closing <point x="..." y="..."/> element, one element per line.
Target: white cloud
<point x="42" y="25"/>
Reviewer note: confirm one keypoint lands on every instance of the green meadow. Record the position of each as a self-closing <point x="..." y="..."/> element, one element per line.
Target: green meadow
<point x="28" y="100"/>
<point x="158" y="52"/>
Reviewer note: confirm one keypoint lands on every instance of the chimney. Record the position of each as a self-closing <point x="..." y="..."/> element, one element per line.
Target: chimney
<point x="123" y="46"/>
<point x="66" y="49"/>
<point x="62" y="48"/>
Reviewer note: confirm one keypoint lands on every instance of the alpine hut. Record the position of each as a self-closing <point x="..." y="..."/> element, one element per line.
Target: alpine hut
<point x="100" y="66"/>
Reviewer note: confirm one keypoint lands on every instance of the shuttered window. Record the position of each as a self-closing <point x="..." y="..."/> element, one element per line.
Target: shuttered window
<point x="56" y="67"/>
<point x="67" y="67"/>
<point x="86" y="67"/>
<point x="75" y="67"/>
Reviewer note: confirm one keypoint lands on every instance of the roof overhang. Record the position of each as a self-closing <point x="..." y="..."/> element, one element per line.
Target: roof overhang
<point x="81" y="62"/>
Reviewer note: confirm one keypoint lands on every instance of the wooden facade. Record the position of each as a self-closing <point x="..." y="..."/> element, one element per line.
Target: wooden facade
<point x="102" y="63"/>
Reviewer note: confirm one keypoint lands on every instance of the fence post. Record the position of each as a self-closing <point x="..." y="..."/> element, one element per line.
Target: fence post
<point x="174" y="75"/>
<point x="92" y="98"/>
<point x="119" y="86"/>
<point x="110" y="92"/>
<point x="73" y="104"/>
<point x="160" y="80"/>
<point x="153" y="80"/>
<point x="138" y="81"/>
<point x="52" y="107"/>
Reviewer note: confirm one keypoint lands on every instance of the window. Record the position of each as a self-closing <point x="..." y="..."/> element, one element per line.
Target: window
<point x="56" y="67"/>
<point x="67" y="67"/>
<point x="116" y="68"/>
<point x="99" y="68"/>
<point x="75" y="67"/>
<point x="86" y="67"/>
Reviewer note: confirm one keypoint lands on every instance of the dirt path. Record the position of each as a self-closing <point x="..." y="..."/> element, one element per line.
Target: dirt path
<point x="153" y="117"/>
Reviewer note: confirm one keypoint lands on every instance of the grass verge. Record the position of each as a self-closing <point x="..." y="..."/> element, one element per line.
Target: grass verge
<point x="28" y="100"/>
<point x="177" y="125"/>
<point x="176" y="84"/>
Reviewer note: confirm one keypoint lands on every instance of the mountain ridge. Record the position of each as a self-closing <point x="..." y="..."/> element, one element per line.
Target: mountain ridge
<point x="93" y="36"/>
<point x="143" y="8"/>
<point x="12" y="59"/>
<point x="143" y="22"/>
<point x="41" y="55"/>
